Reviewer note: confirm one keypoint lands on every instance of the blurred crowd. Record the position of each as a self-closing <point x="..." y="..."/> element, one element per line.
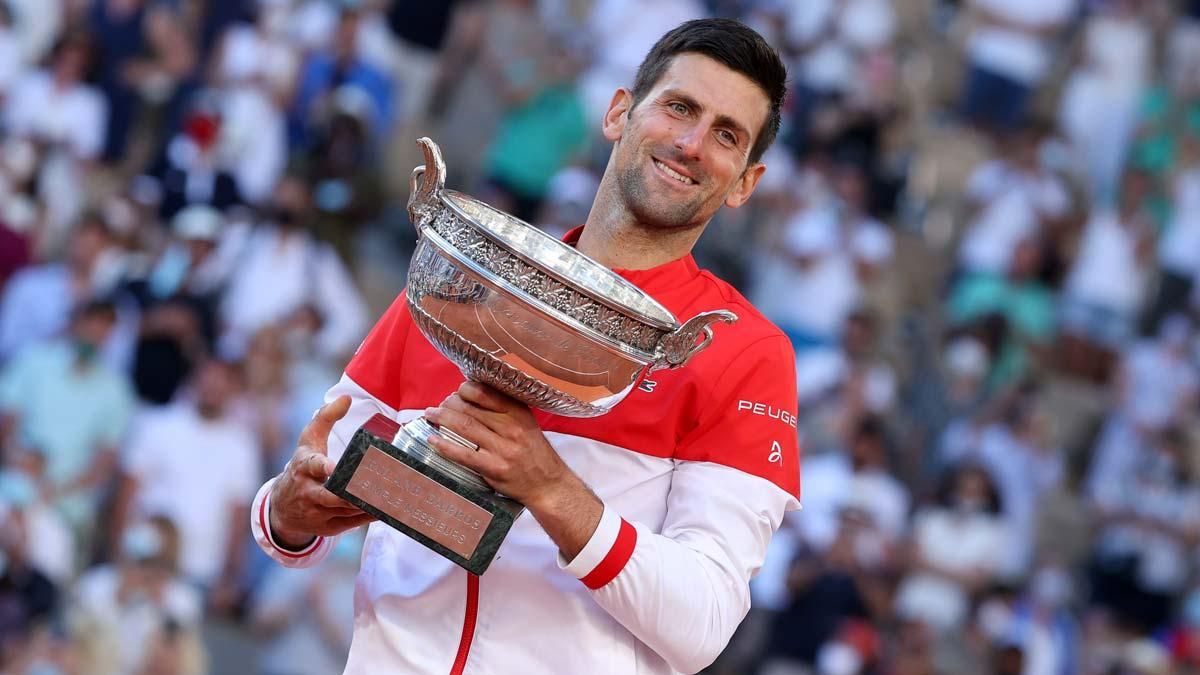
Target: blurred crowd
<point x="980" y="228"/>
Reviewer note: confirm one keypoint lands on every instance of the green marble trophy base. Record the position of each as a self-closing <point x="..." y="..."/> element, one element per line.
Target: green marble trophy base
<point x="393" y="474"/>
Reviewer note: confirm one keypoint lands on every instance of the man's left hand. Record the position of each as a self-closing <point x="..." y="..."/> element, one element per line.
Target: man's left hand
<point x="514" y="456"/>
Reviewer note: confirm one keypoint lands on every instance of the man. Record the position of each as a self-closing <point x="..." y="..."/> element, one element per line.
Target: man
<point x="60" y="398"/>
<point x="161" y="475"/>
<point x="660" y="510"/>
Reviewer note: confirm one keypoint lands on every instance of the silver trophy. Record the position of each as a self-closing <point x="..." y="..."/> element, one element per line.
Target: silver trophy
<point x="524" y="313"/>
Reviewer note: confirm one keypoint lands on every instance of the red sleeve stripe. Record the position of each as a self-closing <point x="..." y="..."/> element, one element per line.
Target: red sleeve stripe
<point x="615" y="560"/>
<point x="266" y="528"/>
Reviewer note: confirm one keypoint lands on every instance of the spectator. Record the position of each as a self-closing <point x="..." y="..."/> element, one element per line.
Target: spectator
<point x="283" y="268"/>
<point x="1013" y="197"/>
<point x="38" y="300"/>
<point x="120" y="610"/>
<point x="958" y="548"/>
<point x="827" y="591"/>
<point x="50" y="544"/>
<point x="60" y="398"/>
<point x="1021" y="299"/>
<point x="1149" y="520"/>
<point x="56" y="107"/>
<point x="148" y="56"/>
<point x="1101" y="101"/>
<point x="1106" y="283"/>
<point x="542" y="130"/>
<point x="320" y="641"/>
<point x="162" y="475"/>
<point x="328" y="70"/>
<point x="28" y="599"/>
<point x="192" y="170"/>
<point x="347" y="187"/>
<point x="861" y="478"/>
<point x="1009" y="51"/>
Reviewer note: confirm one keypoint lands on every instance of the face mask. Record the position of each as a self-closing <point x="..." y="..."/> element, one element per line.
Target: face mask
<point x="1051" y="587"/>
<point x="969" y="505"/>
<point x="85" y="351"/>
<point x="170" y="272"/>
<point x="43" y="668"/>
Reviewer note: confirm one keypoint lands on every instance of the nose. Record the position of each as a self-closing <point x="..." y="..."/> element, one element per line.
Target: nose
<point x="689" y="141"/>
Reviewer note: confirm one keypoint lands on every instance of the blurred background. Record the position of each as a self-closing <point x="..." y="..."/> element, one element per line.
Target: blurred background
<point x="980" y="229"/>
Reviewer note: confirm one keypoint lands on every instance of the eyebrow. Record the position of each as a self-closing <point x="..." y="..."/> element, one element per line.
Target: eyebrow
<point x="722" y="120"/>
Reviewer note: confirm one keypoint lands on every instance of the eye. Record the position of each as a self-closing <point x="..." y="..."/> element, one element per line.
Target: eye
<point x="727" y="136"/>
<point x="678" y="107"/>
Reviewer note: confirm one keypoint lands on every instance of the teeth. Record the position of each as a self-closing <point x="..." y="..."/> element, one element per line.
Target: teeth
<point x="673" y="174"/>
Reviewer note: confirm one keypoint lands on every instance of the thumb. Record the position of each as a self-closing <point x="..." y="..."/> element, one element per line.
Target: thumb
<point x="315" y="435"/>
<point x="318" y="466"/>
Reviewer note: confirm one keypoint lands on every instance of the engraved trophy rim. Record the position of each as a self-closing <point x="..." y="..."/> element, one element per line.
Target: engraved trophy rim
<point x="446" y="249"/>
<point x="565" y="262"/>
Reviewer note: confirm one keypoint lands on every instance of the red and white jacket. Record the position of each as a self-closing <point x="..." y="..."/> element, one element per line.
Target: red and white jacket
<point x="696" y="468"/>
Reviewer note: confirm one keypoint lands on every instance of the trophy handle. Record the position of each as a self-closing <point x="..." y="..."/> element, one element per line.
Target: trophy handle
<point x="426" y="182"/>
<point x="678" y="347"/>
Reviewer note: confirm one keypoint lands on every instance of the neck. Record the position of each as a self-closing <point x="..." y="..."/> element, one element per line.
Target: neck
<point x="613" y="237"/>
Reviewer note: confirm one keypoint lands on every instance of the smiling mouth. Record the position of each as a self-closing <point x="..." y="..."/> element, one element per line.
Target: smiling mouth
<point x="684" y="180"/>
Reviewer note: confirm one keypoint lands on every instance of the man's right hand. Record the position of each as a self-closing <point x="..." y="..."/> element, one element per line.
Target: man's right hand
<point x="301" y="507"/>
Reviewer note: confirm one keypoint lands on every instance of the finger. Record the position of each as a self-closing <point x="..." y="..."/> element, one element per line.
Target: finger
<point x="351" y="522"/>
<point x="494" y="421"/>
<point x="316" y="433"/>
<point x="483" y="463"/>
<point x="465" y="424"/>
<point x="315" y="465"/>
<point x="487" y="397"/>
<point x="323" y="498"/>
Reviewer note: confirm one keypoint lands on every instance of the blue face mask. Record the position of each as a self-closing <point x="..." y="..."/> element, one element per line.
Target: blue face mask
<point x="43" y="668"/>
<point x="1191" y="609"/>
<point x="169" y="274"/>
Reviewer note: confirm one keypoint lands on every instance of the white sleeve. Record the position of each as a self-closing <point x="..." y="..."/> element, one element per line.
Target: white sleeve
<point x="362" y="407"/>
<point x="87" y="136"/>
<point x="683" y="591"/>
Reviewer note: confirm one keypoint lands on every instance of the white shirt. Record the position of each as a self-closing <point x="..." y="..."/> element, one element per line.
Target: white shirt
<point x="1017" y="54"/>
<point x="38" y="24"/>
<point x="195" y="471"/>
<point x="249" y="56"/>
<point x="1179" y="248"/>
<point x="35" y="307"/>
<point x="76" y="117"/>
<point x="1156" y="384"/>
<point x="129" y="626"/>
<point x="1022" y="473"/>
<point x="1106" y="271"/>
<point x="253" y="141"/>
<point x="959" y="542"/>
<point x="277" y="274"/>
<point x="1013" y="202"/>
<point x="830" y="484"/>
<point x="1119" y="50"/>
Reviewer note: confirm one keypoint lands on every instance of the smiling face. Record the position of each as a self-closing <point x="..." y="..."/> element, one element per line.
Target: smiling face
<point x="683" y="151"/>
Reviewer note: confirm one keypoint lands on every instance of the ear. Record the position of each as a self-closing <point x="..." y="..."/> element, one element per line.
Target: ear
<point x="744" y="187"/>
<point x="617" y="115"/>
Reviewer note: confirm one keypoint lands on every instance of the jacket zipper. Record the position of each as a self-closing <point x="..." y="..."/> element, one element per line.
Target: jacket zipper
<point x="468" y="632"/>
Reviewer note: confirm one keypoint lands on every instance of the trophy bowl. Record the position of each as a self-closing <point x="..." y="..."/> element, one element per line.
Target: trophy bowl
<point x="524" y="313"/>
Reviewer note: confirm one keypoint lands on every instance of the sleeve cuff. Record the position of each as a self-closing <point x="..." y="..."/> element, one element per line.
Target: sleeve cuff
<point x="264" y="524"/>
<point x="605" y="554"/>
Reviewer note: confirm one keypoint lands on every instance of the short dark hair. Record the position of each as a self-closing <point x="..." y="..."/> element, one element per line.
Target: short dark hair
<point x="732" y="44"/>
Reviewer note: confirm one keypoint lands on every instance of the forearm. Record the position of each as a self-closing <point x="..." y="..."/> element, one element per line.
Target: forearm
<point x="569" y="516"/>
